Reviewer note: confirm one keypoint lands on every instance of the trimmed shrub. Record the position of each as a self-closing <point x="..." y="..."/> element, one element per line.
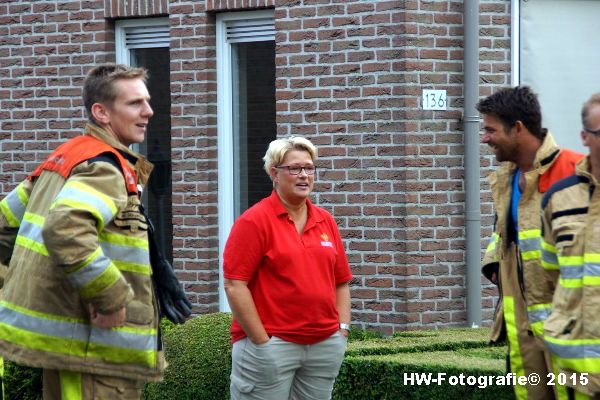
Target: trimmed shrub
<point x="22" y="383"/>
<point x="363" y="334"/>
<point x="199" y="357"/>
<point x="383" y="376"/>
<point x="421" y="341"/>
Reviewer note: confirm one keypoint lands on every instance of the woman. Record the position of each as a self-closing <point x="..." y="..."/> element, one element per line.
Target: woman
<point x="286" y="279"/>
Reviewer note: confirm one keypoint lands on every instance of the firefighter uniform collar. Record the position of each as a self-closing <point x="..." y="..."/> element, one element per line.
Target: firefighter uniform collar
<point x="142" y="167"/>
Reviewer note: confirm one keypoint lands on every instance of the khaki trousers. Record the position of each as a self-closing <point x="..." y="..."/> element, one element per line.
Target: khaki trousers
<point x="68" y="385"/>
<point x="280" y="370"/>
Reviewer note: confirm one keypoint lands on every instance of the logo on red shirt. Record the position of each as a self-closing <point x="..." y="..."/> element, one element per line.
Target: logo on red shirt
<point x="325" y="242"/>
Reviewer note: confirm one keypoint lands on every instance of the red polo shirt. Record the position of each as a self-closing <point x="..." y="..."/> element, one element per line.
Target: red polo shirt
<point x="292" y="277"/>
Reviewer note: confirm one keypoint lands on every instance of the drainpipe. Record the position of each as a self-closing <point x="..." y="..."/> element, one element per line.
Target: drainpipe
<point x="472" y="166"/>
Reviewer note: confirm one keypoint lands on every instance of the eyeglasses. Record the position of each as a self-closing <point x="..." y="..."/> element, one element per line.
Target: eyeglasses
<point x="595" y="133"/>
<point x="295" y="170"/>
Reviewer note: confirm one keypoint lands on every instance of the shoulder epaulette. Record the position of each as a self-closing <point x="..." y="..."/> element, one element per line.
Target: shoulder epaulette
<point x="563" y="184"/>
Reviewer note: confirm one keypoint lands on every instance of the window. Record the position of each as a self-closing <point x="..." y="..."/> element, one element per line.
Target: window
<point x="246" y="113"/>
<point x="557" y="57"/>
<point x="145" y="43"/>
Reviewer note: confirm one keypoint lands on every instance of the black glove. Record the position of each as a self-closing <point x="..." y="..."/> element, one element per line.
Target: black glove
<point x="171" y="298"/>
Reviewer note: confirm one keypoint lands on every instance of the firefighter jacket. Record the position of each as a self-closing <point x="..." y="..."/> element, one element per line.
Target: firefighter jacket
<point x="571" y="246"/>
<point x="523" y="282"/>
<point x="73" y="236"/>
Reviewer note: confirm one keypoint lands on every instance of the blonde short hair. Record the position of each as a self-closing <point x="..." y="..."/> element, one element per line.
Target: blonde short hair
<point x="280" y="147"/>
<point x="99" y="85"/>
<point x="585" y="110"/>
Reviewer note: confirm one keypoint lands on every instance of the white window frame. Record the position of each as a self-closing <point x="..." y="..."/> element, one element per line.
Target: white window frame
<point x="123" y="52"/>
<point x="225" y="131"/>
<point x="515" y="42"/>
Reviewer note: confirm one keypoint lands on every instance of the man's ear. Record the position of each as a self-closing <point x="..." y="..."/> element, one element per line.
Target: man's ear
<point x="100" y="113"/>
<point x="519" y="127"/>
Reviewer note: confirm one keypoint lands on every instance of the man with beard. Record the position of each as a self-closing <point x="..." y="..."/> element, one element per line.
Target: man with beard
<point x="531" y="163"/>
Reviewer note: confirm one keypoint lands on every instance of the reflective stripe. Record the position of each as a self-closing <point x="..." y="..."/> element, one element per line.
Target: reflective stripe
<point x="530" y="248"/>
<point x="79" y="195"/>
<point x="14" y="204"/>
<point x="2" y="376"/>
<point x="492" y="244"/>
<point x="123" y="240"/>
<point x="559" y="390"/>
<point x="135" y="268"/>
<point x="530" y="234"/>
<point x="132" y="259"/>
<point x="537" y="328"/>
<point x="70" y="385"/>
<point x="128" y="253"/>
<point x="537" y="315"/>
<point x="109" y="275"/>
<point x="539" y="312"/>
<point x="94" y="265"/>
<point x="575" y="276"/>
<point x="48" y="332"/>
<point x="591" y="280"/>
<point x="570" y="263"/>
<point x="516" y="361"/>
<point x="578" y="348"/>
<point x="570" y="283"/>
<point x="94" y="274"/>
<point x="582" y="355"/>
<point x="530" y="241"/>
<point x="30" y="234"/>
<point x="549" y="257"/>
<point x="571" y="272"/>
<point x="592" y="269"/>
<point x="57" y="327"/>
<point x="570" y="260"/>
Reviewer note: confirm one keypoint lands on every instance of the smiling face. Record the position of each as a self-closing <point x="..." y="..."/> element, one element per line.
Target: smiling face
<point x="293" y="188"/>
<point x="127" y="117"/>
<point x="503" y="142"/>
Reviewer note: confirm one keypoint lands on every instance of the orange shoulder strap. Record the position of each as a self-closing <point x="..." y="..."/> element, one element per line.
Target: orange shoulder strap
<point x="79" y="149"/>
<point x="563" y="166"/>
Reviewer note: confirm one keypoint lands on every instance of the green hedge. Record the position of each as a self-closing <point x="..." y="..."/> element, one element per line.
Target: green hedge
<point x="22" y="383"/>
<point x="382" y="376"/>
<point x="421" y="341"/>
<point x="199" y="358"/>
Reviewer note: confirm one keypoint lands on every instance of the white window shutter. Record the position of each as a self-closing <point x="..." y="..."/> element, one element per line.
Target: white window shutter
<point x="250" y="30"/>
<point x="137" y="37"/>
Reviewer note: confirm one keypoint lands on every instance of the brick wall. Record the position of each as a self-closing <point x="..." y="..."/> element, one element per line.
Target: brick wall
<point x="46" y="48"/>
<point x="434" y="224"/>
<point x="135" y="8"/>
<point x="349" y="76"/>
<point x="494" y="70"/>
<point x="194" y="155"/>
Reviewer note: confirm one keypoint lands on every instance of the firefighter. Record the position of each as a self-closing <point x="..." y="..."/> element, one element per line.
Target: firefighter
<point x="78" y="298"/>
<point x="571" y="246"/>
<point x="531" y="162"/>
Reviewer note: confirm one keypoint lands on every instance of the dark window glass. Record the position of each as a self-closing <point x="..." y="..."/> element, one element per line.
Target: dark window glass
<point x="157" y="146"/>
<point x="254" y="124"/>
